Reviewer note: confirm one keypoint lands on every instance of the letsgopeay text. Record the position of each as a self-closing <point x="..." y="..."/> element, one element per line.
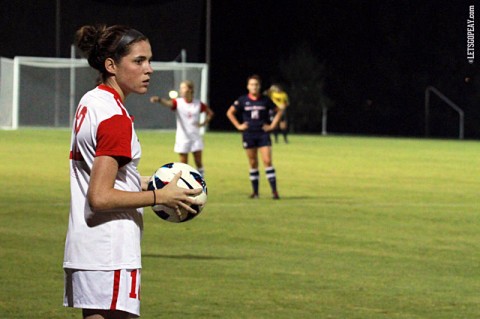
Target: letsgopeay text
<point x="471" y="35"/>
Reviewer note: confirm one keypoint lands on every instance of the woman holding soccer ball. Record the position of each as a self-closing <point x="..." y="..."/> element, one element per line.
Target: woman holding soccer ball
<point x="254" y="111"/>
<point x="102" y="259"/>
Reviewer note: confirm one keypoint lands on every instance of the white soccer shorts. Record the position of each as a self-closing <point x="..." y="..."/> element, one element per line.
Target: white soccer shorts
<point x="106" y="290"/>
<point x="185" y="147"/>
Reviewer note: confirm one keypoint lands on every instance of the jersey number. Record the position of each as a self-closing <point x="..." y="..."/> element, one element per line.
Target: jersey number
<point x="79" y="117"/>
<point x="255" y="115"/>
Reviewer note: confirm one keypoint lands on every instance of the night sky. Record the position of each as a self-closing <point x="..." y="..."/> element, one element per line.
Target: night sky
<point x="379" y="56"/>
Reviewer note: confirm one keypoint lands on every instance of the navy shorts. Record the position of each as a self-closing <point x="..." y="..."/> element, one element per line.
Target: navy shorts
<point x="256" y="140"/>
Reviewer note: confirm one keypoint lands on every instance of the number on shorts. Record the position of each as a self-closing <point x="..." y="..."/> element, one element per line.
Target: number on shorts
<point x="133" y="288"/>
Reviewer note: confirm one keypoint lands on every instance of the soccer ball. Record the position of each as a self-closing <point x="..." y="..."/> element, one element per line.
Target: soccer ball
<point x="190" y="179"/>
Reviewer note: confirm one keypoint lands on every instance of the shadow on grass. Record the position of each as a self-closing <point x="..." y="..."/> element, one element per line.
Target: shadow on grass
<point x="303" y="197"/>
<point x="189" y="257"/>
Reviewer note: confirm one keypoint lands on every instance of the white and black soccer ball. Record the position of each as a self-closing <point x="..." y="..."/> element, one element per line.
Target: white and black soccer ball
<point x="190" y="179"/>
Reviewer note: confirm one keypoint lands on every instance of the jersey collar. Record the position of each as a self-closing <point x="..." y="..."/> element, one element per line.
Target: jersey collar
<point x="111" y="90"/>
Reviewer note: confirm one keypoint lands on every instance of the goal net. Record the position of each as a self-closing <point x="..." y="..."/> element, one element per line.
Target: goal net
<point x="44" y="92"/>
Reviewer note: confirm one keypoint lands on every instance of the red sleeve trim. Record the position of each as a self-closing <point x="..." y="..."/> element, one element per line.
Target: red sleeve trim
<point x="174" y="104"/>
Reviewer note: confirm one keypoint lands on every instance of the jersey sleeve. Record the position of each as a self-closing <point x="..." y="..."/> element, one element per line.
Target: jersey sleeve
<point x="238" y="105"/>
<point x="174" y="104"/>
<point x="114" y="138"/>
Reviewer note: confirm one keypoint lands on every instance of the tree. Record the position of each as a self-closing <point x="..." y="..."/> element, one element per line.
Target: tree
<point x="305" y="77"/>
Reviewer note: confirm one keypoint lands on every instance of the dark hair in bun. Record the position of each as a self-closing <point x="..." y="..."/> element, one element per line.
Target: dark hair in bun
<point x="100" y="42"/>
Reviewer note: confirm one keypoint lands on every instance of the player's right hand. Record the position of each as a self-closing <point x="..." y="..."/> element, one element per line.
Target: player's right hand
<point x="243" y="127"/>
<point x="154" y="99"/>
<point x="178" y="197"/>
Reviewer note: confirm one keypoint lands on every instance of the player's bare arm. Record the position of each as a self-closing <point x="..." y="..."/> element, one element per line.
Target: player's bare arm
<point x="208" y="118"/>
<point x="231" y="116"/>
<point x="144" y="181"/>
<point x="162" y="101"/>
<point x="275" y="121"/>
<point x="103" y="197"/>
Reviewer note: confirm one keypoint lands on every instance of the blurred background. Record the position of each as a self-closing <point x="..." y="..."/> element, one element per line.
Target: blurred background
<point x="366" y="65"/>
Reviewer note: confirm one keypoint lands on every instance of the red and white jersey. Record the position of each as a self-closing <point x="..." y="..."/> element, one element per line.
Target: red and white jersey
<point x="188" y="117"/>
<point x="107" y="240"/>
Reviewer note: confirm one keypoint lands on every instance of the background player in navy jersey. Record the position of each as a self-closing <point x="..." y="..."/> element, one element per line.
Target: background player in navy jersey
<point x="253" y="110"/>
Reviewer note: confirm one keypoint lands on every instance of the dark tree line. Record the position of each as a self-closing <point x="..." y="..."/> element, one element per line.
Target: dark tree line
<point x="375" y="81"/>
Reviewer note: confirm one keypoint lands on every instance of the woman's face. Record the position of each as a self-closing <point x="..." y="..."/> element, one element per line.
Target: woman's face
<point x="185" y="90"/>
<point x="134" y="70"/>
<point x="253" y="87"/>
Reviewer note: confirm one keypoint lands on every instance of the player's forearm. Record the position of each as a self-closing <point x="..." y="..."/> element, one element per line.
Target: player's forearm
<point x="114" y="200"/>
<point x="277" y="118"/>
<point x="234" y="122"/>
<point x="161" y="101"/>
<point x="208" y="118"/>
<point x="232" y="118"/>
<point x="145" y="180"/>
<point x="165" y="102"/>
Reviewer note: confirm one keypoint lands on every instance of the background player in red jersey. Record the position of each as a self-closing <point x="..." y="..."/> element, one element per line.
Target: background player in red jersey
<point x="253" y="110"/>
<point x="188" y="138"/>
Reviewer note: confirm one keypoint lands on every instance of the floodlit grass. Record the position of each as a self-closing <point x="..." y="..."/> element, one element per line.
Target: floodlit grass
<point x="366" y="228"/>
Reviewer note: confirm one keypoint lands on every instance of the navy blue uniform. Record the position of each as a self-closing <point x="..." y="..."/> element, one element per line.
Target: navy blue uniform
<point x="255" y="112"/>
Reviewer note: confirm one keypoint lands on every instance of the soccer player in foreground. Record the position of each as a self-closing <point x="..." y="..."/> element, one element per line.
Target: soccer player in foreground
<point x="102" y="258"/>
<point x="188" y="138"/>
<point x="254" y="111"/>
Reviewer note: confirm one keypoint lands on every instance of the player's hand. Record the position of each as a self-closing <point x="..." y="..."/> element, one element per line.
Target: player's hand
<point x="267" y="128"/>
<point x="154" y="99"/>
<point x="242" y="127"/>
<point x="176" y="197"/>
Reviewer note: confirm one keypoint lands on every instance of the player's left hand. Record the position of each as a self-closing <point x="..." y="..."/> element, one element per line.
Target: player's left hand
<point x="267" y="127"/>
<point x="154" y="99"/>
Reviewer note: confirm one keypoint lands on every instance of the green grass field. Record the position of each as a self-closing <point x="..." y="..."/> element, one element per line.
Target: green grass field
<point x="366" y="228"/>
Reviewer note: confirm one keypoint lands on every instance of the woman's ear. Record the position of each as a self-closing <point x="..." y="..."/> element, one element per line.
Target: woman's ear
<point x="110" y="65"/>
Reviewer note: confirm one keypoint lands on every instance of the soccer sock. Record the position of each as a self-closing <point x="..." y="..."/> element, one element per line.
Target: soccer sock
<point x="201" y="170"/>
<point x="254" y="174"/>
<point x="272" y="178"/>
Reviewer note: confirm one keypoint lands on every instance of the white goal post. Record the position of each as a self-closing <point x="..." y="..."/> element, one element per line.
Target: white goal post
<point x="43" y="92"/>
